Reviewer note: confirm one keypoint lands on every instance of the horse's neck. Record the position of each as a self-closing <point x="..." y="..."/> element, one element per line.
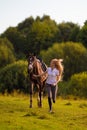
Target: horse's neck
<point x="36" y="61"/>
<point x="38" y="70"/>
<point x="38" y="67"/>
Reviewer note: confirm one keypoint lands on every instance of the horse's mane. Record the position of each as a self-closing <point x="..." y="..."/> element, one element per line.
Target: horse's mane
<point x="38" y="70"/>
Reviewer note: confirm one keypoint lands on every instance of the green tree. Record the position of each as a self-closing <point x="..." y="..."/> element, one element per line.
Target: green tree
<point x="41" y="35"/>
<point x="56" y="51"/>
<point x="74" y="55"/>
<point x="78" y="85"/>
<point x="14" y="77"/>
<point x="7" y="55"/>
<point x="75" y="58"/>
<point x="25" y="26"/>
<point x="82" y="36"/>
<point x="74" y="34"/>
<point x="16" y="38"/>
<point x="68" y="31"/>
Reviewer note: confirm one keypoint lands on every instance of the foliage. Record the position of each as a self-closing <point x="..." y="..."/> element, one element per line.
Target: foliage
<point x="41" y="34"/>
<point x="7" y="55"/>
<point x="73" y="54"/>
<point x="74" y="34"/>
<point x="75" y="58"/>
<point x="82" y="36"/>
<point x="63" y="89"/>
<point x="14" y="76"/>
<point x="53" y="52"/>
<point x="17" y="39"/>
<point x="67" y="32"/>
<point x="24" y="27"/>
<point x="78" y="85"/>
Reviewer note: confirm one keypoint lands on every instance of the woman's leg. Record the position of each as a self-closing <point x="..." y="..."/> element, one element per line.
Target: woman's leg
<point x="49" y="96"/>
<point x="54" y="92"/>
<point x="50" y="103"/>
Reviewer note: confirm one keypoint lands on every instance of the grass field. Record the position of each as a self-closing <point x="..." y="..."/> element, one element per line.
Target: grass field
<point x="15" y="114"/>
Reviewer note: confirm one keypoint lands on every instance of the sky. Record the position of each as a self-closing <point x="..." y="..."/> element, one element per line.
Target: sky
<point x="12" y="12"/>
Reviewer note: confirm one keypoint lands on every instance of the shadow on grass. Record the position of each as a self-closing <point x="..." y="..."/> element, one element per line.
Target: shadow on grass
<point x="68" y="103"/>
<point x="83" y="105"/>
<point x="30" y="114"/>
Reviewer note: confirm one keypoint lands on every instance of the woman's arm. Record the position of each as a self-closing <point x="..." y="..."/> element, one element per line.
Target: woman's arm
<point x="58" y="78"/>
<point x="36" y="76"/>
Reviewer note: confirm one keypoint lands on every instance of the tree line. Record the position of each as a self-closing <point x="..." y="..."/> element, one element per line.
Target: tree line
<point x="42" y="33"/>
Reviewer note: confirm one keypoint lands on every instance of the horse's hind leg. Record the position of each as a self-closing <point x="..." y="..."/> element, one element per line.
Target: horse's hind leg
<point x="31" y="95"/>
<point x="38" y="99"/>
<point x="40" y="96"/>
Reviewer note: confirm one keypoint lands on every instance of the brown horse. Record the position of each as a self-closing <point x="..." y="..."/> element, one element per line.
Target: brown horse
<point x="35" y="68"/>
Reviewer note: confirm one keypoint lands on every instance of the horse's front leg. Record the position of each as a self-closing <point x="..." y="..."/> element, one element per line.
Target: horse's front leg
<point x="41" y="89"/>
<point x="31" y="94"/>
<point x="40" y="96"/>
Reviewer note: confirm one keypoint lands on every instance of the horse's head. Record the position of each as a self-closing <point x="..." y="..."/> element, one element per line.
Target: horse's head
<point x="31" y="59"/>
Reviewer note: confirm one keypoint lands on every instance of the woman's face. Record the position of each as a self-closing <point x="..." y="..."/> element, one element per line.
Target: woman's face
<point x="52" y="65"/>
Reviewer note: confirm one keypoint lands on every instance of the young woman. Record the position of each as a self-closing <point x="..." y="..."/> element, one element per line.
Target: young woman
<point x="55" y="72"/>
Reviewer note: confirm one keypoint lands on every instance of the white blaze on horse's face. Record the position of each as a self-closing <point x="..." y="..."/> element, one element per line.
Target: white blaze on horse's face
<point x="30" y="67"/>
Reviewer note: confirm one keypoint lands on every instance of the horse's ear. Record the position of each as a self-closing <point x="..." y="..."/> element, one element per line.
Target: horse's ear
<point x="34" y="54"/>
<point x="30" y="54"/>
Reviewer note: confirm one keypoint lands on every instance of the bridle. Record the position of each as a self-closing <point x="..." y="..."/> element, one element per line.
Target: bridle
<point x="31" y="64"/>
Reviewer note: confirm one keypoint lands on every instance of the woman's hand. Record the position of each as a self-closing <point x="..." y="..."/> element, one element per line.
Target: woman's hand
<point x="54" y="84"/>
<point x="35" y="76"/>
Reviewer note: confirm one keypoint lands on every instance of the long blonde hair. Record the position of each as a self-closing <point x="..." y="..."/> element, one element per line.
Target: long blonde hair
<point x="59" y="66"/>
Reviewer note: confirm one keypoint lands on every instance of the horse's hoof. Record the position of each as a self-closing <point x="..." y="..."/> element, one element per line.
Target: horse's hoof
<point x="30" y="106"/>
<point x="40" y="106"/>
